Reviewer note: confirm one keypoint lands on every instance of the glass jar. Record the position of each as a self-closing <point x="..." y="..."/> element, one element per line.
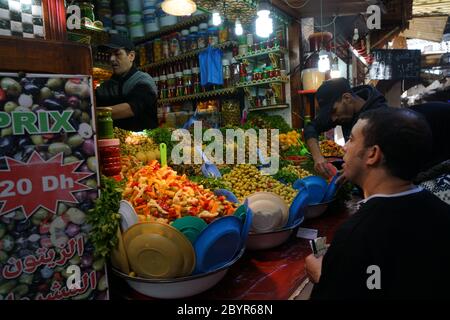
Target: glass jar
<point x="231" y="113"/>
<point x="196" y="79"/>
<point x="193" y="45"/>
<point x="165" y="48"/>
<point x="179" y="84"/>
<point x="242" y="72"/>
<point x="266" y="73"/>
<point x="174" y="45"/>
<point x="164" y="92"/>
<point x="157" y="50"/>
<point x="105" y="123"/>
<point x="202" y="40"/>
<point x="226" y="73"/>
<point x="86" y="10"/>
<point x="223" y="34"/>
<point x="213" y="38"/>
<point x="156" y="79"/>
<point x="110" y="162"/>
<point x="193" y="35"/>
<point x="243" y="49"/>
<point x="187" y="81"/>
<point x="184" y="41"/>
<point x="257" y="75"/>
<point x="171" y="86"/>
<point x="203" y="27"/>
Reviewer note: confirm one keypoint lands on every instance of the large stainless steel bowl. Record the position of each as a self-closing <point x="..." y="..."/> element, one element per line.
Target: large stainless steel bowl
<point x="179" y="287"/>
<point x="271" y="239"/>
<point x="316" y="210"/>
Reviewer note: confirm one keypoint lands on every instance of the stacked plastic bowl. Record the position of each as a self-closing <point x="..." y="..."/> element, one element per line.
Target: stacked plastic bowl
<point x="316" y="195"/>
<point x="151" y="22"/>
<point x="104" y="13"/>
<point x="119" y="8"/>
<point x="178" y="260"/>
<point x="135" y="25"/>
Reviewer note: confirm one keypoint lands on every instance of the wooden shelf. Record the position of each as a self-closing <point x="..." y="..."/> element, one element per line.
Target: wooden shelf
<point x="273" y="107"/>
<point x="103" y="66"/>
<point x="262" y="82"/>
<point x="262" y="52"/>
<point x="176" y="27"/>
<point x="186" y="55"/>
<point x="202" y="95"/>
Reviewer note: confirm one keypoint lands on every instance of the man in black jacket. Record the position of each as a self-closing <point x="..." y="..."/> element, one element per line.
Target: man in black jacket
<point x="396" y="245"/>
<point x="339" y="104"/>
<point x="130" y="93"/>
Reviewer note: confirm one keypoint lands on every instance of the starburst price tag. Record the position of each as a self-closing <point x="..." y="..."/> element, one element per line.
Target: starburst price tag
<point x="39" y="183"/>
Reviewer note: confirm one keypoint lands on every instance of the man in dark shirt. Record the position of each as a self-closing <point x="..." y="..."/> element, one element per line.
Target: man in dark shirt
<point x="396" y="245"/>
<point x="339" y="104"/>
<point x="130" y="93"/>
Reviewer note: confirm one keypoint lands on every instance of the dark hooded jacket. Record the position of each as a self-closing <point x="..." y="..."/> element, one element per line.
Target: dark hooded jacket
<point x="137" y="89"/>
<point x="322" y="123"/>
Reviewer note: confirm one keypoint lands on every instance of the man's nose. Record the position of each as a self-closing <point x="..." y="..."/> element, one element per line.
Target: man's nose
<point x="112" y="58"/>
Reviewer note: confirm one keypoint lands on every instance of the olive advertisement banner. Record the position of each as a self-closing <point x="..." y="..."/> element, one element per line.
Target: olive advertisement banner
<point x="48" y="181"/>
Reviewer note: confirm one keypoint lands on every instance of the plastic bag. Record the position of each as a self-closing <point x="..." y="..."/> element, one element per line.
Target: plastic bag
<point x="211" y="67"/>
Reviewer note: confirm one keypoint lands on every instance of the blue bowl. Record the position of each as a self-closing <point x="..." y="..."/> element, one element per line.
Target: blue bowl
<point x="316" y="187"/>
<point x="211" y="171"/>
<point x="246" y="215"/>
<point x="331" y="189"/>
<point x="297" y="208"/>
<point x="217" y="244"/>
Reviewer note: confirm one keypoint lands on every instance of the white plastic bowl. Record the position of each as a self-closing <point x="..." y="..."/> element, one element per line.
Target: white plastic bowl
<point x="272" y="239"/>
<point x="178" y="287"/>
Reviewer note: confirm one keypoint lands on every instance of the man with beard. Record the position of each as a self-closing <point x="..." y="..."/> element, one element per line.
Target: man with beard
<point x="399" y="236"/>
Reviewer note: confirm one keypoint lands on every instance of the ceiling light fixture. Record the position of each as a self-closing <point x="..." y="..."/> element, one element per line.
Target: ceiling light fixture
<point x="179" y="7"/>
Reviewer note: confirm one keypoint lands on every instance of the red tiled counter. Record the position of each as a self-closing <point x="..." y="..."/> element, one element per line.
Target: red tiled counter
<point x="272" y="274"/>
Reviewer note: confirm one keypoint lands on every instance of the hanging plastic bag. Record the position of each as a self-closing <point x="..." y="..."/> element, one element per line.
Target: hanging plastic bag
<point x="211" y="67"/>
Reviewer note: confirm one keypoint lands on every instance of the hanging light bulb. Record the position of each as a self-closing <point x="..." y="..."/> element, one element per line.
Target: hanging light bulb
<point x="264" y="24"/>
<point x="324" y="61"/>
<point x="335" y="73"/>
<point x="216" y="18"/>
<point x="179" y="7"/>
<point x="238" y="28"/>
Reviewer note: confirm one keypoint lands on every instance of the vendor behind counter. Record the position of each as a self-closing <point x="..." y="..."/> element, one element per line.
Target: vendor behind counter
<point x="132" y="94"/>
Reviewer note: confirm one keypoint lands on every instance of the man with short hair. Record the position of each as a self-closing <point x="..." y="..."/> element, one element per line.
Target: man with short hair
<point x="339" y="104"/>
<point x="397" y="244"/>
<point x="132" y="94"/>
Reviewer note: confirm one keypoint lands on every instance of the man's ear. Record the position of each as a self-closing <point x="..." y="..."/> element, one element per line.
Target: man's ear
<point x="374" y="155"/>
<point x="132" y="56"/>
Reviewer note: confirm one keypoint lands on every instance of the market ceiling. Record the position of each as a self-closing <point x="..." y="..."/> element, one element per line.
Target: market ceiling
<point x="311" y="8"/>
<point x="431" y="7"/>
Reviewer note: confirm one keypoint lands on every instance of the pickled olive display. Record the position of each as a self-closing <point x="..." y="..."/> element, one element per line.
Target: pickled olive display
<point x="246" y="179"/>
<point x="63" y="111"/>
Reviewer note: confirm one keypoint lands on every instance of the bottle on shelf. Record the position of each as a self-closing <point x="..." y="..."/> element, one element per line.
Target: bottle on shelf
<point x="226" y="73"/>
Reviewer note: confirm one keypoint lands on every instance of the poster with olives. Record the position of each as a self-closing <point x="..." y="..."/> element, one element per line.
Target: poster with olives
<point x="48" y="182"/>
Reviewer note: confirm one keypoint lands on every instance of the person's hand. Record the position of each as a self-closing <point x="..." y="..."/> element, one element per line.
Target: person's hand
<point x="313" y="267"/>
<point x="324" y="168"/>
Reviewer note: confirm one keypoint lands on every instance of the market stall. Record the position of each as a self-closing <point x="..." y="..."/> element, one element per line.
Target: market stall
<point x="178" y="210"/>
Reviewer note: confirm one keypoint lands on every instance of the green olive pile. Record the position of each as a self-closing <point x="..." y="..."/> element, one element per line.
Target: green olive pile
<point x="246" y="179"/>
<point x="137" y="145"/>
<point x="301" y="173"/>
